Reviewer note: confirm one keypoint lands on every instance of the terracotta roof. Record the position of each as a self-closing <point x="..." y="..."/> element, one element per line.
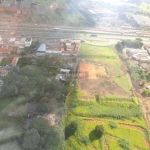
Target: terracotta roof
<point x="14" y="61"/>
<point x="4" y="72"/>
<point x="4" y="49"/>
<point x="69" y="46"/>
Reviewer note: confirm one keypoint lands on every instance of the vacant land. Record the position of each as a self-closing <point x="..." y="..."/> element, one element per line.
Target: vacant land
<point x="106" y="100"/>
<point x="95" y="70"/>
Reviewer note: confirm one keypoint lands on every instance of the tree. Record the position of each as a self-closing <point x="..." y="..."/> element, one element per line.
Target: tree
<point x="41" y="125"/>
<point x="31" y="139"/>
<point x="97" y="98"/>
<point x="119" y="47"/>
<point x="124" y="143"/>
<point x="99" y="130"/>
<point x="42" y="108"/>
<point x="132" y="43"/>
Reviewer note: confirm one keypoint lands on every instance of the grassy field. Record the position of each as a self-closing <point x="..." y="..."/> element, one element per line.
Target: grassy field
<point x="102" y="54"/>
<point x="83" y="115"/>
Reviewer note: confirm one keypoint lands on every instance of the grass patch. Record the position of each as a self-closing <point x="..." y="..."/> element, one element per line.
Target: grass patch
<point x="104" y="54"/>
<point x="113" y="144"/>
<point x="124" y="82"/>
<point x="135" y="137"/>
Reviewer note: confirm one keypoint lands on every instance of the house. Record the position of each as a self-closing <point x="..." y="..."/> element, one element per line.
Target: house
<point x="4" y="73"/>
<point x="28" y="42"/>
<point x="14" y="61"/>
<point x="64" y="70"/>
<point x="5" y="49"/>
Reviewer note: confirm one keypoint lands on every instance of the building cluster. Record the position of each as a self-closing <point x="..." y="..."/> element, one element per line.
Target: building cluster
<point x="139" y="55"/>
<point x="142" y="20"/>
<point x="63" y="47"/>
<point x="4" y="70"/>
<point x="8" y="45"/>
<point x="15" y="6"/>
<point x="96" y="10"/>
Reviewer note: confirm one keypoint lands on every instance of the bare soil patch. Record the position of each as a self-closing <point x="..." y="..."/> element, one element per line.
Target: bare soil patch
<point x="103" y="86"/>
<point x="91" y="71"/>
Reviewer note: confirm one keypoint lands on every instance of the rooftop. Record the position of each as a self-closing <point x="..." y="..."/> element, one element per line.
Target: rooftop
<point x="4" y="72"/>
<point x="42" y="48"/>
<point x="6" y="49"/>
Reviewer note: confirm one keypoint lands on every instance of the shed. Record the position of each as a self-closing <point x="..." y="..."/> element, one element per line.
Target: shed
<point x="42" y="48"/>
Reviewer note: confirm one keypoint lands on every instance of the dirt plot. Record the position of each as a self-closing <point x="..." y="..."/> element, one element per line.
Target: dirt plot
<point x="103" y="86"/>
<point x="92" y="71"/>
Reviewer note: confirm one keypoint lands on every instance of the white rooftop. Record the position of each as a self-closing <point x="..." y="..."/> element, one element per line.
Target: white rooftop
<point x="42" y="48"/>
<point x="12" y="39"/>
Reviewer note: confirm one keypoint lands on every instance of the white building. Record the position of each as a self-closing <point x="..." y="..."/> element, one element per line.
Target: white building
<point x="28" y="42"/>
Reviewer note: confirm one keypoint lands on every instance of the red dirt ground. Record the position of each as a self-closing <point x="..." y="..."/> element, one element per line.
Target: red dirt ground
<point x="93" y="71"/>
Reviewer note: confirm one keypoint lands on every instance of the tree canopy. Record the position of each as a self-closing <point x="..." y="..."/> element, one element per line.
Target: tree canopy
<point x="31" y="139"/>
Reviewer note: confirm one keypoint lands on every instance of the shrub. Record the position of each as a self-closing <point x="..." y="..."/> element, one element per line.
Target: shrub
<point x="113" y="124"/>
<point x="97" y="97"/>
<point x="124" y="143"/>
<point x="135" y="100"/>
<point x="132" y="43"/>
<point x="146" y="93"/>
<point x="85" y="140"/>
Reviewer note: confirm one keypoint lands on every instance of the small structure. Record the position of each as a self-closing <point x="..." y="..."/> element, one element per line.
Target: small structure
<point x="4" y="73"/>
<point x="28" y="42"/>
<point x="41" y="49"/>
<point x="63" y="75"/>
<point x="64" y="70"/>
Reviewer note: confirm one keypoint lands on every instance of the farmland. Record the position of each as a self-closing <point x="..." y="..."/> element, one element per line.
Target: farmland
<point x="104" y="98"/>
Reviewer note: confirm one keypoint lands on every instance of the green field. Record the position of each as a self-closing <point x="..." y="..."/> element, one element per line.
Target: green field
<point x="85" y="115"/>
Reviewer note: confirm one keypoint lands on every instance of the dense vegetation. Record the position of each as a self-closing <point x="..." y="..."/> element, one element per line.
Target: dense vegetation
<point x="129" y="43"/>
<point x="34" y="81"/>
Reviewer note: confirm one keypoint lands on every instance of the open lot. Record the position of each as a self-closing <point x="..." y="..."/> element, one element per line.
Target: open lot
<point x="101" y="100"/>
